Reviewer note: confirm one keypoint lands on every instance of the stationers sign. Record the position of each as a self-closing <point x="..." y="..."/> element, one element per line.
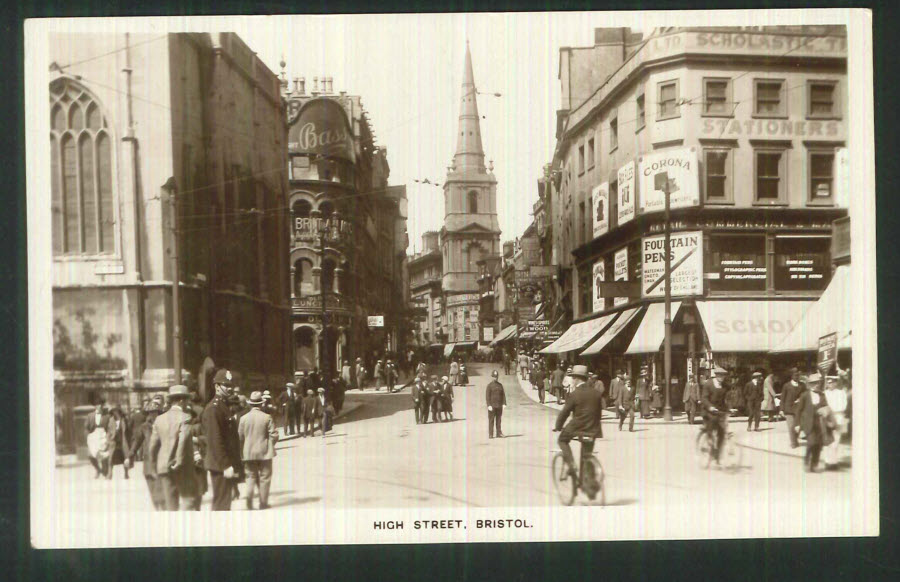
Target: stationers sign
<point x="321" y="128"/>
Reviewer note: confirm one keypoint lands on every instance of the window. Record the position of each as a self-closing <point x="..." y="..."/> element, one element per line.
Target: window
<point x="716" y="97"/>
<point x="641" y="113"/>
<point x="738" y="262"/>
<point x="802" y="263"/>
<point x="822" y="99"/>
<point x="590" y="153"/>
<point x="583" y="221"/>
<point x="668" y="100"/>
<point x="83" y="219"/>
<point x="717" y="174"/>
<point x="613" y="133"/>
<point x="769" y="176"/>
<point x="580" y="160"/>
<point x="821" y="176"/>
<point x="473" y="202"/>
<point x="769" y="101"/>
<point x="585" y="289"/>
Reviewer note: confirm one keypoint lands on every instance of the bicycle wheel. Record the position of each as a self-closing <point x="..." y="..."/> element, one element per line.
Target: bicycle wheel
<point x="566" y="487"/>
<point x="704" y="449"/>
<point x="731" y="453"/>
<point x="592" y="467"/>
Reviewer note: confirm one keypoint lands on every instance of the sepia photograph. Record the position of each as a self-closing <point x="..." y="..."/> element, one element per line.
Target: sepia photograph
<point x="418" y="278"/>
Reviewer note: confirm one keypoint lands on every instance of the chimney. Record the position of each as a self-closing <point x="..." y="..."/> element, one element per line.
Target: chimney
<point x="315" y="89"/>
<point x="296" y="84"/>
<point x="302" y="89"/>
<point x="330" y="81"/>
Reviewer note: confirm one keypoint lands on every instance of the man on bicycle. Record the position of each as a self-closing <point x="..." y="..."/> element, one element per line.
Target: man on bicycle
<point x="585" y="405"/>
<point x="715" y="411"/>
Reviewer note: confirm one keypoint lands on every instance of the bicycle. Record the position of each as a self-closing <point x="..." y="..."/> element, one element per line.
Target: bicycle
<point x="566" y="487"/>
<point x="729" y="456"/>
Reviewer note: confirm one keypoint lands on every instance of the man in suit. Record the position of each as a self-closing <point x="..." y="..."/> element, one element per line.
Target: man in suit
<point x="790" y="393"/>
<point x="326" y="411"/>
<point x="585" y="405"/>
<point x="753" y="397"/>
<point x="311" y="413"/>
<point x="223" y="456"/>
<point x="416" y="392"/>
<point x="425" y="397"/>
<point x="624" y="402"/>
<point x="496" y="402"/>
<point x="258" y="435"/>
<point x="172" y="453"/>
<point x="141" y="443"/>
<point x="556" y="382"/>
<point x="809" y="419"/>
<point x="390" y="375"/>
<point x="360" y="375"/>
<point x="712" y="395"/>
<point x="537" y="380"/>
<point x="615" y="385"/>
<point x="287" y="402"/>
<point x="643" y="389"/>
<point x="99" y="419"/>
<point x="691" y="398"/>
<point x="437" y="404"/>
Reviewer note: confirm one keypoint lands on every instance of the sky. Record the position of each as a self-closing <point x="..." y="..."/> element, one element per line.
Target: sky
<point x="408" y="70"/>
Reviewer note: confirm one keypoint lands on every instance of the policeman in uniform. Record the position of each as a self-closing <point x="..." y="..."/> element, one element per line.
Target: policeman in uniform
<point x="223" y="454"/>
<point x="496" y="402"/>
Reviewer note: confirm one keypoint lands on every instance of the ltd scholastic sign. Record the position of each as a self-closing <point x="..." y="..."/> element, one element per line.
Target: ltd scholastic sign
<point x="687" y="264"/>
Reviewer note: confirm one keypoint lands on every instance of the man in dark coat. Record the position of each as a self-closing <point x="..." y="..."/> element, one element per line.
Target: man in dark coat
<point x="537" y="379"/>
<point x="712" y="395"/>
<point x="615" y="385"/>
<point x="644" y="387"/>
<point x="585" y="405"/>
<point x="753" y="397"/>
<point x="496" y="402"/>
<point x="807" y="412"/>
<point x="789" y="395"/>
<point x="425" y="397"/>
<point x="287" y="402"/>
<point x="172" y="452"/>
<point x="691" y="398"/>
<point x="556" y="382"/>
<point x="624" y="402"/>
<point x="416" y="392"/>
<point x="141" y="442"/>
<point x="311" y="413"/>
<point x="223" y="454"/>
<point x="118" y="433"/>
<point x="437" y="399"/>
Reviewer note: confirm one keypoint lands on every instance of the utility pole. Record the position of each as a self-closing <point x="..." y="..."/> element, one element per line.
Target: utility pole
<point x="667" y="350"/>
<point x="172" y="189"/>
<point x="326" y="368"/>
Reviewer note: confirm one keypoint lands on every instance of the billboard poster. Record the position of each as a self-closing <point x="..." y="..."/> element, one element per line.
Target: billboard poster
<point x="321" y="127"/>
<point x="681" y="168"/>
<point x="625" y="195"/>
<point x="600" y="202"/>
<point x="686" y="253"/>
<point x="599" y="274"/>
<point x="620" y="271"/>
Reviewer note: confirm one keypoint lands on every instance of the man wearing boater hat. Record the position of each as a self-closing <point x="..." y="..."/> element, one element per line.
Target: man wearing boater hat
<point x="585" y="404"/>
<point x="223" y="452"/>
<point x="172" y="453"/>
<point x="258" y="436"/>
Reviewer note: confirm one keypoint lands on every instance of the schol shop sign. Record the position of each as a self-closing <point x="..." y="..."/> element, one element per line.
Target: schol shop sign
<point x="322" y="128"/>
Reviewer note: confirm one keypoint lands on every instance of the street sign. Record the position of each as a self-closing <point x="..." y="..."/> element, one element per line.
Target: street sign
<point x="376" y="321"/>
<point x="827" y="353"/>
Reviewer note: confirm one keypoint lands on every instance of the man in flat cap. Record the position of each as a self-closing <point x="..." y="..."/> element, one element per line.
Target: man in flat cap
<point x="287" y="402"/>
<point x="258" y="436"/>
<point x="223" y="457"/>
<point x="172" y="453"/>
<point x="496" y="401"/>
<point x="753" y="397"/>
<point x="712" y="395"/>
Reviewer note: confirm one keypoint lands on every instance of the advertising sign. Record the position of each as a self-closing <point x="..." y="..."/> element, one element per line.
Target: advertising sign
<point x="600" y="202"/>
<point x="683" y="182"/>
<point x="620" y="271"/>
<point x="827" y="353"/>
<point x="488" y="334"/>
<point x="599" y="275"/>
<point x="626" y="194"/>
<point x="322" y="128"/>
<point x="376" y="321"/>
<point x="538" y="325"/>
<point x="687" y="264"/>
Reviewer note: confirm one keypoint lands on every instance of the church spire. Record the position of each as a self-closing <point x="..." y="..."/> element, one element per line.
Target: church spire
<point x="469" y="152"/>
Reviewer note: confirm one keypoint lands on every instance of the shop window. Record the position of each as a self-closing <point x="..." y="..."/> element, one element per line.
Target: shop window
<point x="717" y="172"/>
<point x="769" y="98"/>
<point x="737" y="263"/>
<point x="590" y="153"/>
<point x="717" y="97"/>
<point x="82" y="216"/>
<point x="641" y="113"/>
<point x="802" y="263"/>
<point x="822" y="99"/>
<point x="771" y="179"/>
<point x="821" y="176"/>
<point x="668" y="100"/>
<point x="613" y="133"/>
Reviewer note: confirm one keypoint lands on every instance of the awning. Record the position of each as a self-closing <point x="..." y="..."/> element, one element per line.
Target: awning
<point x="608" y="335"/>
<point x="448" y="349"/>
<point x="504" y="334"/>
<point x="527" y="335"/>
<point x="749" y="326"/>
<point x="652" y="331"/>
<point x="466" y="345"/>
<point x="433" y="346"/>
<point x="578" y="335"/>
<point x="830" y="314"/>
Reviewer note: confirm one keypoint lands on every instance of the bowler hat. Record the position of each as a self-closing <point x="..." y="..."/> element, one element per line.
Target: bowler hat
<point x="755" y="374"/>
<point x="179" y="391"/>
<point x="256" y="398"/>
<point x="579" y="371"/>
<point x="290" y="385"/>
<point x="223" y="377"/>
<point x="321" y="390"/>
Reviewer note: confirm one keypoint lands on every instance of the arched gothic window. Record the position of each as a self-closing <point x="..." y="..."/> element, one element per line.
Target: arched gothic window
<point x="83" y="219"/>
<point x="472" y="206"/>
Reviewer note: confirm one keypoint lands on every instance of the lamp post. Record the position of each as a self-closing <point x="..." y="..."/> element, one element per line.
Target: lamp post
<point x="667" y="322"/>
<point x="326" y="368"/>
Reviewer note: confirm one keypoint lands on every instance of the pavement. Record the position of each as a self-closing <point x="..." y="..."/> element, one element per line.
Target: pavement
<point x="376" y="456"/>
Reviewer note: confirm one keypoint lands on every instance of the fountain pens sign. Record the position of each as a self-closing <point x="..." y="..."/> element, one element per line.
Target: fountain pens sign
<point x="686" y="254"/>
<point x="681" y="168"/>
<point x="322" y="128"/>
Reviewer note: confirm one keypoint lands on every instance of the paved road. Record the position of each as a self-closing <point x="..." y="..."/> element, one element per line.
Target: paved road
<point x="378" y="457"/>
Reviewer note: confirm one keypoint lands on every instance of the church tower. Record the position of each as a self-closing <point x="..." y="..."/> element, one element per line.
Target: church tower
<point x="471" y="230"/>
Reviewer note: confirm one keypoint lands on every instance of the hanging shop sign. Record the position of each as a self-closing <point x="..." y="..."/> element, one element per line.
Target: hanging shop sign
<point x="600" y="202"/>
<point x="322" y="128"/>
<point x="625" y="195"/>
<point x="683" y="184"/>
<point x="466" y="298"/>
<point x="538" y="325"/>
<point x="686" y="255"/>
<point x="597" y="278"/>
<point x="827" y="353"/>
<point x="376" y="321"/>
<point x="620" y="271"/>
